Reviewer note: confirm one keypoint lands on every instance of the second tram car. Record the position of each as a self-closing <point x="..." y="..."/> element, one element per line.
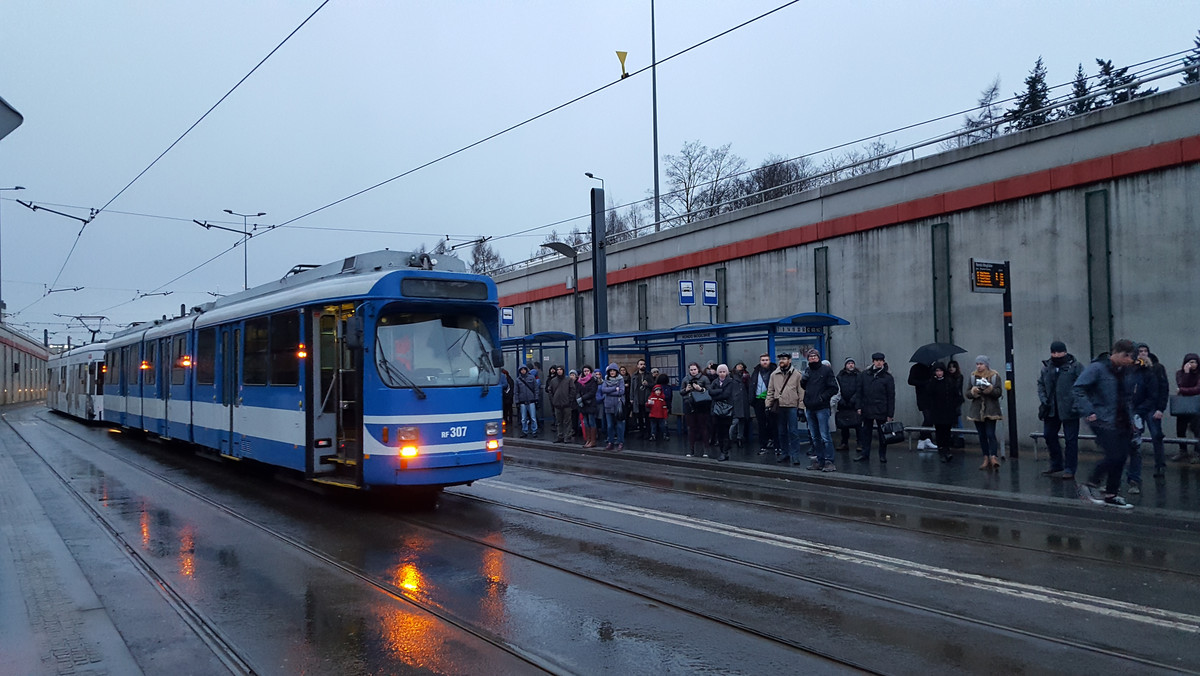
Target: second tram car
<point x="75" y="382"/>
<point x="378" y="370"/>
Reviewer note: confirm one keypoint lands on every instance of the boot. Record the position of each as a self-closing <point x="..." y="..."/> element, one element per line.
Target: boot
<point x="987" y="462"/>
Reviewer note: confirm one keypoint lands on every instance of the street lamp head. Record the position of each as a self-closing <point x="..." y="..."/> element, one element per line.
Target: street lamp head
<point x="562" y="248"/>
<point x="594" y="178"/>
<point x="261" y="213"/>
<point x="15" y="187"/>
<point x="229" y="211"/>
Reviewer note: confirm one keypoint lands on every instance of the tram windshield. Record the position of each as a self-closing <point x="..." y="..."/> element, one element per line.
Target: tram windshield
<point x="419" y="350"/>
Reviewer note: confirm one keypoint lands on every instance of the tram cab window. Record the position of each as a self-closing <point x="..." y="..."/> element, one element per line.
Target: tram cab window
<point x="178" y="358"/>
<point x="451" y="349"/>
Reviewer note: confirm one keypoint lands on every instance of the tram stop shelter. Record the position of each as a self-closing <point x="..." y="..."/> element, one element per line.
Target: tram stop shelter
<point x="543" y="350"/>
<point x="670" y="350"/>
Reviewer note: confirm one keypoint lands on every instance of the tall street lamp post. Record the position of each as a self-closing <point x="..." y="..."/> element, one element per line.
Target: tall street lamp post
<point x="245" y="245"/>
<point x="572" y="253"/>
<point x="2" y="306"/>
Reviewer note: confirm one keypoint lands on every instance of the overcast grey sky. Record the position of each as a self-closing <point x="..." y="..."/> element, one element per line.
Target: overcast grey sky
<point x="369" y="90"/>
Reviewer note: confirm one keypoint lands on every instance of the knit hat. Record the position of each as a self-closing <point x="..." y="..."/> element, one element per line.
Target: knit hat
<point x="877" y="355"/>
<point x="849" y="360"/>
<point x="1058" y="346"/>
<point x="573" y="372"/>
<point x="983" y="359"/>
<point x="812" y="352"/>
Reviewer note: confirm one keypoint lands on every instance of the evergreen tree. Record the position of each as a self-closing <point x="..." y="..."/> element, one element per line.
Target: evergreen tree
<point x="1122" y="84"/>
<point x="1079" y="92"/>
<point x="1192" y="62"/>
<point x="1028" y="112"/>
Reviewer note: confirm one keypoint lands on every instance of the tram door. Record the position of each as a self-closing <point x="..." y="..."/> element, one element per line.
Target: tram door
<point x="336" y="387"/>
<point x="231" y="342"/>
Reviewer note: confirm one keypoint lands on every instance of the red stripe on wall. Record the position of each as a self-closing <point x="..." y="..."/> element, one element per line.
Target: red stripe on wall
<point x="1140" y="160"/>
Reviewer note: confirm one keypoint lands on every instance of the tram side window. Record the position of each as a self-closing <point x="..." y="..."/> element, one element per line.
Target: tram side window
<point x="131" y="366"/>
<point x="179" y="357"/>
<point x="256" y="354"/>
<point x="151" y="351"/>
<point x="206" y="357"/>
<point x="285" y="343"/>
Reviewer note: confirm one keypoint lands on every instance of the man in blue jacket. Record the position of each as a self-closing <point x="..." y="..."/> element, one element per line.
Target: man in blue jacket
<point x="1104" y="397"/>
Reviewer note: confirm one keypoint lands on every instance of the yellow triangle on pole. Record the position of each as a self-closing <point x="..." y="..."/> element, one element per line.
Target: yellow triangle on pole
<point x="621" y="56"/>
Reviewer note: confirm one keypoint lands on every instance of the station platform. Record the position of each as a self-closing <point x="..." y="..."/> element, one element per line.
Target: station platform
<point x="923" y="472"/>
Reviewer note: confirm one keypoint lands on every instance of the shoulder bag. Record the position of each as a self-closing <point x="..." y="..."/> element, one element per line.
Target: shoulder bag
<point x="893" y="432"/>
<point x="1182" y="404"/>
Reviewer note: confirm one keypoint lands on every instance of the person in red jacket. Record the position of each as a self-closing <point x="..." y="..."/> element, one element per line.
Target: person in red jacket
<point x="656" y="404"/>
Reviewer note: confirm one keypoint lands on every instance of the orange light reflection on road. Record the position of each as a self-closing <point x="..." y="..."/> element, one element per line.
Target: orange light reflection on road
<point x="144" y="522"/>
<point x="187" y="552"/>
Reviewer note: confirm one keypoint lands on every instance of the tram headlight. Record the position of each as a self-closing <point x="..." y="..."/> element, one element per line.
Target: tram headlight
<point x="406" y="433"/>
<point x="492" y="429"/>
<point x="408" y="451"/>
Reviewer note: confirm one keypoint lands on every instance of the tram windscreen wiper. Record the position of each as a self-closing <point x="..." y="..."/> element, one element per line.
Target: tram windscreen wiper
<point x="484" y="364"/>
<point x="396" y="373"/>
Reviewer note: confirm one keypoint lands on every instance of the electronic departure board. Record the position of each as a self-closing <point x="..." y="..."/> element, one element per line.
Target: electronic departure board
<point x="989" y="276"/>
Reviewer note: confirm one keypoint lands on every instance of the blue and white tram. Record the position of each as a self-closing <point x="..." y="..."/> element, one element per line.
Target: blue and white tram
<point x="75" y="382"/>
<point x="379" y="370"/>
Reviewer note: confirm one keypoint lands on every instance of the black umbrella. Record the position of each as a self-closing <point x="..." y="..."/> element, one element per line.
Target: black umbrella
<point x="927" y="354"/>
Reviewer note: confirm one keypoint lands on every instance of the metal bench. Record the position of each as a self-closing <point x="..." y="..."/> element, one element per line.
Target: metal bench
<point x="912" y="441"/>
<point x="1038" y="437"/>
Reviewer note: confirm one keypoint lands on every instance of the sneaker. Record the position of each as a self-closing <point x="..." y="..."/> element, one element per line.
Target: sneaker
<point x="688" y="455"/>
<point x="815" y="466"/>
<point x="1053" y="473"/>
<point x="1116" y="501"/>
<point x="652" y="438"/>
<point x="620" y="447"/>
<point x="829" y="466"/>
<point x="1068" y="475"/>
<point x="862" y="458"/>
<point x="923" y="445"/>
<point x="608" y="447"/>
<point x="706" y="455"/>
<point x="723" y="457"/>
<point x="1135" y="488"/>
<point x="1089" y="493"/>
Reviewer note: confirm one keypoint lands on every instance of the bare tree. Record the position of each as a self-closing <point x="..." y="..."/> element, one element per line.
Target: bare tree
<point x="686" y="175"/>
<point x="721" y="188"/>
<point x="873" y="156"/>
<point x="484" y="258"/>
<point x="777" y="177"/>
<point x="980" y="125"/>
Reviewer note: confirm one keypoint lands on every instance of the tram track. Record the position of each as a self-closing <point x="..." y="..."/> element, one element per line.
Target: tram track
<point x="205" y="629"/>
<point x="732" y="623"/>
<point x="398" y="593"/>
<point x="826" y="583"/>
<point x="732" y="481"/>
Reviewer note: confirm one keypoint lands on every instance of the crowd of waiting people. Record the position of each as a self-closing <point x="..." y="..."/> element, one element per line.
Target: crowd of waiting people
<point x="1124" y="395"/>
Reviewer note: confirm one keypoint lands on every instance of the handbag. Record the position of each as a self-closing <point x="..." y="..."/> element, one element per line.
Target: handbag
<point x="893" y="432"/>
<point x="1185" y="404"/>
<point x="700" y="396"/>
<point x="722" y="409"/>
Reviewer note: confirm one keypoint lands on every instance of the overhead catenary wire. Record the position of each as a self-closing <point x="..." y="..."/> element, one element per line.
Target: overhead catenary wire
<point x="97" y="212"/>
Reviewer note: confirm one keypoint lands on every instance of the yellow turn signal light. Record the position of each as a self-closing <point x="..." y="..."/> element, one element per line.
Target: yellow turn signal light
<point x="408" y="452"/>
<point x="493" y="444"/>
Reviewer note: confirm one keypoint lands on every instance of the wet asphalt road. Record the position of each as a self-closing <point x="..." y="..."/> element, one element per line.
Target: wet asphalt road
<point x="578" y="564"/>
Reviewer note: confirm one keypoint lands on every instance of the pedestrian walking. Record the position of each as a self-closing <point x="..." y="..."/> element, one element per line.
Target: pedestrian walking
<point x="877" y="405"/>
<point x="697" y="402"/>
<point x="784" y="398"/>
<point x="820" y="387"/>
<point x="1187" y="383"/>
<point x="1103" y="397"/>
<point x="983" y="391"/>
<point x="1057" y="410"/>
<point x="846" y="417"/>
